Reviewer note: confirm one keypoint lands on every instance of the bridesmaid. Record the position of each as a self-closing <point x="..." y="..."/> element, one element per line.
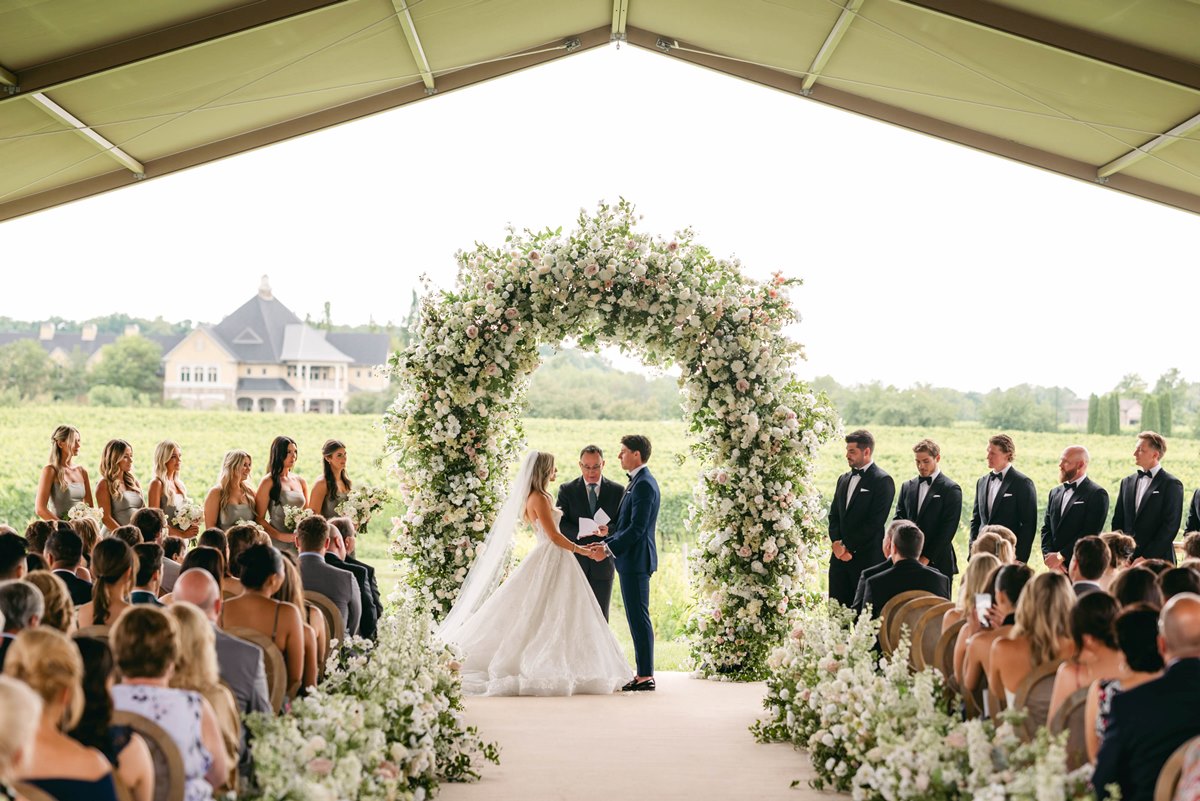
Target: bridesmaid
<point x="62" y="484"/>
<point x="119" y="494"/>
<point x="278" y="489"/>
<point x="233" y="497"/>
<point x="333" y="487"/>
<point x="166" y="489"/>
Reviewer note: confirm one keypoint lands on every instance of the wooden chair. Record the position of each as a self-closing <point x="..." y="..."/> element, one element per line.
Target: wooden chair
<point x="906" y="617"/>
<point x="1070" y="717"/>
<point x="886" y="613"/>
<point x="322" y="632"/>
<point x="1172" y="769"/>
<point x="169" y="776"/>
<point x="926" y="632"/>
<point x="944" y="654"/>
<point x="1033" y="695"/>
<point x="272" y="661"/>
<point x="97" y="632"/>
<point x="333" y="618"/>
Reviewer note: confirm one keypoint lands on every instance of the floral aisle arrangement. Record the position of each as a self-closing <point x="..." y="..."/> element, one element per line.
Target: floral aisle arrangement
<point x="362" y="503"/>
<point x="187" y="514"/>
<point x="875" y="729"/>
<point x="80" y="510"/>
<point x="454" y="429"/>
<point x="385" y="723"/>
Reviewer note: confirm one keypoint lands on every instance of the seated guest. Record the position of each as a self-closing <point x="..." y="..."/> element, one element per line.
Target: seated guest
<point x="1191" y="544"/>
<point x="1042" y="634"/>
<point x="979" y="570"/>
<point x="262" y="575"/>
<point x="1090" y="574"/>
<point x="215" y="538"/>
<point x="89" y="534"/>
<point x="58" y="611"/>
<point x="1177" y="580"/>
<point x="1146" y="724"/>
<point x="125" y="750"/>
<point x="335" y="556"/>
<point x="173" y="548"/>
<point x="12" y="556"/>
<point x="35" y="561"/>
<point x="49" y="663"/>
<point x="316" y="631"/>
<point x="907" y="572"/>
<point x="131" y="535"/>
<point x="1008" y="585"/>
<point x="886" y="564"/>
<point x="996" y="544"/>
<point x="1137" y="636"/>
<point x="350" y="538"/>
<point x="20" y="712"/>
<point x="149" y="574"/>
<point x="66" y="554"/>
<point x="37" y="534"/>
<point x="1156" y="566"/>
<point x="1121" y="547"/>
<point x="1137" y="585"/>
<point x="337" y="585"/>
<point x="21" y="607"/>
<point x="114" y="568"/>
<point x="1097" y="656"/>
<point x="152" y="523"/>
<point x="241" y="537"/>
<point x="145" y="642"/>
<point x="196" y="670"/>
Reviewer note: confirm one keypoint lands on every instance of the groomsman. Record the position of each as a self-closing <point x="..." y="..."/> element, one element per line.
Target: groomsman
<point x="1078" y="507"/>
<point x="1193" y="518"/>
<point x="1004" y="496"/>
<point x="857" y="517"/>
<point x="934" y="503"/>
<point x="1150" y="502"/>
<point x="581" y="498"/>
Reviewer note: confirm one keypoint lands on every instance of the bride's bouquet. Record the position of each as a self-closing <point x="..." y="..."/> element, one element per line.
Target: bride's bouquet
<point x="361" y="503"/>
<point x="187" y="514"/>
<point x="292" y="515"/>
<point x="81" y="510"/>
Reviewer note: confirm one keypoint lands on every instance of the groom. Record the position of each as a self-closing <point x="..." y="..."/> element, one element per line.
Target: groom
<point x="632" y="543"/>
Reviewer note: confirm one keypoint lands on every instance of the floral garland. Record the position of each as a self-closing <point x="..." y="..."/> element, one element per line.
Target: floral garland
<point x="883" y="733"/>
<point x="454" y="429"/>
<point x="385" y="723"/>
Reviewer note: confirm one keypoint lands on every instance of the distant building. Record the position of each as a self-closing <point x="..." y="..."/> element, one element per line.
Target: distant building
<point x="1131" y="413"/>
<point x="60" y="346"/>
<point x="262" y="357"/>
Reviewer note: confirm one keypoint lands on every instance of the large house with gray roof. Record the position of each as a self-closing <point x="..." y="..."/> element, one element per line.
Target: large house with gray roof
<point x="262" y="357"/>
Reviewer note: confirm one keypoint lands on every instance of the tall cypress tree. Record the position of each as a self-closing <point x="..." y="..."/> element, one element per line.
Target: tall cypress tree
<point x="1114" y="413"/>
<point x="1165" y="413"/>
<point x="1103" y="412"/>
<point x="1093" y="413"/>
<point x="1150" y="418"/>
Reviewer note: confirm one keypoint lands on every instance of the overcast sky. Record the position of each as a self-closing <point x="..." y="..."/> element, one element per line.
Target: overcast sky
<point x="922" y="261"/>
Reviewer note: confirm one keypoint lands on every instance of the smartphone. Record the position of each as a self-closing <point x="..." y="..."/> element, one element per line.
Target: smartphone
<point x="983" y="605"/>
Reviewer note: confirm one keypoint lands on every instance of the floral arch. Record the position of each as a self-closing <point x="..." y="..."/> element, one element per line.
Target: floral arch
<point x="455" y="428"/>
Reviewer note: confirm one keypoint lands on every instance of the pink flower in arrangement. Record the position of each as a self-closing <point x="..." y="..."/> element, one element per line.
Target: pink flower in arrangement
<point x="744" y="552"/>
<point x="491" y="369"/>
<point x="534" y="255"/>
<point x="591" y="270"/>
<point x="743" y="385"/>
<point x="504" y="328"/>
<point x="469" y="451"/>
<point x="320" y="766"/>
<point x="773" y="293"/>
<point x="472" y="331"/>
<point x="510" y="313"/>
<point x="672" y="246"/>
<point x="489" y="286"/>
<point x="388" y="770"/>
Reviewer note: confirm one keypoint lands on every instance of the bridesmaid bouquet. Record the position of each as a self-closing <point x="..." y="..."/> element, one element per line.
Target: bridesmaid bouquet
<point x="81" y="510"/>
<point x="361" y="503"/>
<point x="187" y="514"/>
<point x="292" y="515"/>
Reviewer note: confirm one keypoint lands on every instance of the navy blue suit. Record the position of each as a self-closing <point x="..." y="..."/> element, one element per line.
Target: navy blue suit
<point x="631" y="541"/>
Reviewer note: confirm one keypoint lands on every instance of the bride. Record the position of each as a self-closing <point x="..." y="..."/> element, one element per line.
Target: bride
<point x="541" y="632"/>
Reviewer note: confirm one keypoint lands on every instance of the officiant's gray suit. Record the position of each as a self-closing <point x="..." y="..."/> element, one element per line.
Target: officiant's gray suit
<point x="574" y="501"/>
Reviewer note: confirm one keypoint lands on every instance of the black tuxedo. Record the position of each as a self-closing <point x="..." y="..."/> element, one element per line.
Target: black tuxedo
<point x="860" y="526"/>
<point x="1015" y="508"/>
<point x="573" y="500"/>
<point x="376" y="601"/>
<point x="1086" y="514"/>
<point x="1145" y="727"/>
<point x="904" y="575"/>
<point x="368" y="620"/>
<point x="1155" y="523"/>
<point x="873" y="570"/>
<point x="938" y="518"/>
<point x="1193" y="518"/>
<point x="80" y="589"/>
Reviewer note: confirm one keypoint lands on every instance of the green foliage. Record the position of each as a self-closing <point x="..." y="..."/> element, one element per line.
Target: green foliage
<point x="1166" y="413"/>
<point x="1103" y="416"/>
<point x="369" y="402"/>
<point x="1093" y="420"/>
<point x="1017" y="409"/>
<point x="25" y="369"/>
<point x="575" y="385"/>
<point x="71" y="381"/>
<point x="110" y="396"/>
<point x="1150" y="418"/>
<point x="1130" y="384"/>
<point x="132" y="362"/>
<point x="1114" y="413"/>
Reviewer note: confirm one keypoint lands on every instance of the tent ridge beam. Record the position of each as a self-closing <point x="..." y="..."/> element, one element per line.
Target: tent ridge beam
<point x="83" y="129"/>
<point x="1064" y="38"/>
<point x="845" y="18"/>
<point x="156" y="44"/>
<point x="404" y="16"/>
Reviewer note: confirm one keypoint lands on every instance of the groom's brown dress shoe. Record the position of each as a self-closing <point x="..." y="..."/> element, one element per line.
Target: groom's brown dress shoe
<point x="635" y="686"/>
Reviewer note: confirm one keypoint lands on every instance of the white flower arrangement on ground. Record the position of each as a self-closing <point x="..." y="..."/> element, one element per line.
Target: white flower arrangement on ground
<point x="454" y="429"/>
<point x="80" y="510"/>
<point x="292" y="515"/>
<point x="187" y="514"/>
<point x="362" y="503"/>
<point x="874" y="728"/>
<point x="385" y="723"/>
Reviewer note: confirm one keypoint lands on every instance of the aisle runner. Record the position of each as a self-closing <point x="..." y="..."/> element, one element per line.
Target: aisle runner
<point x="689" y="740"/>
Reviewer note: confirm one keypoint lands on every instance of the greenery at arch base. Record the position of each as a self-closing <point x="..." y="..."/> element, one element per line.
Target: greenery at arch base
<point x="454" y="431"/>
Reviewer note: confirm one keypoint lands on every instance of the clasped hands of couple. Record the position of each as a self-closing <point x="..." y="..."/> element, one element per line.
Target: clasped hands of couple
<point x="597" y="551"/>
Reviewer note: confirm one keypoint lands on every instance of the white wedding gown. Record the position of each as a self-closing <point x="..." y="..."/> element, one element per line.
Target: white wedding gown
<point x="541" y="632"/>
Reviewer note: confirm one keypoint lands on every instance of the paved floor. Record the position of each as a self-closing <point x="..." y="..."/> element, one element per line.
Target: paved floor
<point x="689" y="740"/>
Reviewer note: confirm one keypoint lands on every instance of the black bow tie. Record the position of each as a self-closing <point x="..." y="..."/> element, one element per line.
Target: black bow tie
<point x="629" y="476"/>
<point x="995" y="476"/>
<point x="1145" y="473"/>
<point x="857" y="471"/>
<point x="1069" y="485"/>
<point x="925" y="480"/>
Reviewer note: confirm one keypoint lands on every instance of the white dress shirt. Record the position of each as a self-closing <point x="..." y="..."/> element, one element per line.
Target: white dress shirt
<point x="1070" y="493"/>
<point x="923" y="489"/>
<point x="994" y="486"/>
<point x="1143" y="484"/>
<point x="853" y="484"/>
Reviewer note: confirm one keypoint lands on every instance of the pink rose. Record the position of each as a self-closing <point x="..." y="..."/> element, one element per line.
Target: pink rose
<point x="672" y="246"/>
<point x="320" y="766"/>
<point x="388" y="770"/>
<point x="472" y="331"/>
<point x="743" y="385"/>
<point x="534" y="255"/>
<point x="510" y="313"/>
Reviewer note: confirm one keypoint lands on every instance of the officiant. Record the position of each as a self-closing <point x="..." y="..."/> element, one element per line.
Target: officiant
<point x="583" y="498"/>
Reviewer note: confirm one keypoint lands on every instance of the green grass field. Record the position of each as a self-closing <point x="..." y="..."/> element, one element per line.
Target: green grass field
<point x="204" y="437"/>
